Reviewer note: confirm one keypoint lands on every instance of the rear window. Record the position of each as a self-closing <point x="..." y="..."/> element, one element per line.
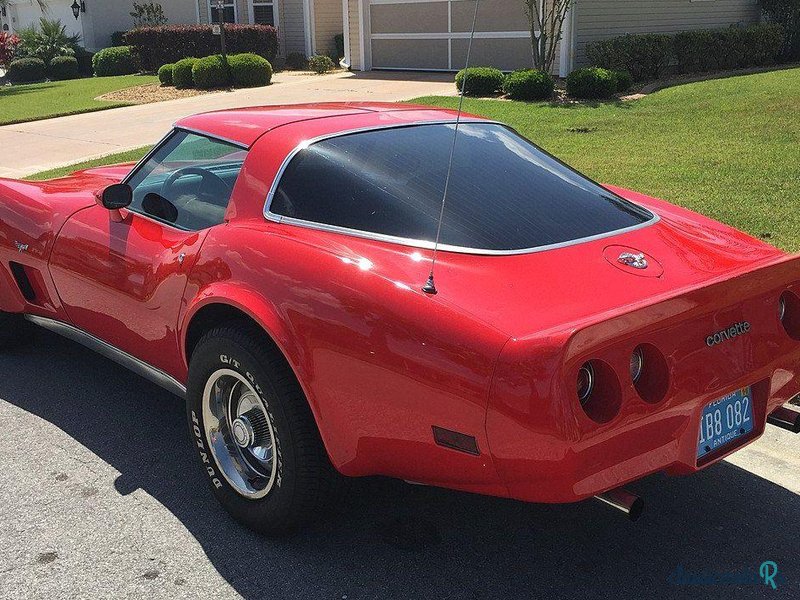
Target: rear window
<point x="505" y="194"/>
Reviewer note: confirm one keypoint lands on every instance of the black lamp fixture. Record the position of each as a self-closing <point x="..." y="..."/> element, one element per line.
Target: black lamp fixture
<point x="78" y="8"/>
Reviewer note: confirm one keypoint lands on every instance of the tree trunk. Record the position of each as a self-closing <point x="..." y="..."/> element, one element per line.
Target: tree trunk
<point x="546" y="17"/>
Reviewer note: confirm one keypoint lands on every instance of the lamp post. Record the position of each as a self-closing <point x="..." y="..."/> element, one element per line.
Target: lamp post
<point x="221" y="14"/>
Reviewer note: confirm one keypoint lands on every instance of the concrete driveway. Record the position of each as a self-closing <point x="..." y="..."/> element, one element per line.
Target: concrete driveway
<point x="43" y="145"/>
<point x="101" y="498"/>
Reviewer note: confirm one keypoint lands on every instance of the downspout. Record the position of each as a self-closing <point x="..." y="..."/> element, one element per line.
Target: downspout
<point x="362" y="34"/>
<point x="346" y="33"/>
<point x="307" y="27"/>
<point x="566" y="52"/>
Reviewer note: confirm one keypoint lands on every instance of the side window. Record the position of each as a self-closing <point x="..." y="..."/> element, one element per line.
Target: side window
<point x="188" y="181"/>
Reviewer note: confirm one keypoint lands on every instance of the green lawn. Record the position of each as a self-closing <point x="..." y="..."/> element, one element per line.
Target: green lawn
<point x="728" y="148"/>
<point x="21" y="103"/>
<point x="111" y="159"/>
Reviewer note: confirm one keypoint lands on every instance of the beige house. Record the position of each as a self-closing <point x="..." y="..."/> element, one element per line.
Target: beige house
<point x="433" y="34"/>
<point x="411" y="34"/>
<point x="306" y="26"/>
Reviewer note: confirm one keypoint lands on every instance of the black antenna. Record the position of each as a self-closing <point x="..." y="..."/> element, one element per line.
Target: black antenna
<point x="430" y="285"/>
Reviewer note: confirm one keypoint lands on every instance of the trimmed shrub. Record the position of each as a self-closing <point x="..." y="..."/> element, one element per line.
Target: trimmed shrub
<point x="592" y="83"/>
<point x="529" y="85"/>
<point x="115" y="61"/>
<point x="165" y="74"/>
<point x="643" y="56"/>
<point x="182" y="73"/>
<point x="167" y="44"/>
<point x="118" y="38"/>
<point x="62" y="68"/>
<point x="319" y="63"/>
<point x="249" y="70"/>
<point x="729" y="48"/>
<point x="688" y="48"/>
<point x="210" y="72"/>
<point x="296" y="61"/>
<point x="26" y="70"/>
<point x="765" y="43"/>
<point x="787" y="14"/>
<point x="480" y="81"/>
<point x="646" y="56"/>
<point x="623" y="80"/>
<point x="85" y="58"/>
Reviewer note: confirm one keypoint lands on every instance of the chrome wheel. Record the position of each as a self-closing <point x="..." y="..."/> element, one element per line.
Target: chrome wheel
<point x="239" y="433"/>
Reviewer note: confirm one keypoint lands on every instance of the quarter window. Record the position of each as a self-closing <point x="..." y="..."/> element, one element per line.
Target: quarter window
<point x="505" y="194"/>
<point x="188" y="181"/>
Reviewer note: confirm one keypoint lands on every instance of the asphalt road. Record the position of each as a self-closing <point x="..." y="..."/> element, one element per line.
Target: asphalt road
<point x="100" y="498"/>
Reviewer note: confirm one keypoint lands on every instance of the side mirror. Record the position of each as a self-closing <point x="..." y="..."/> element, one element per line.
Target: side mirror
<point x="116" y="196"/>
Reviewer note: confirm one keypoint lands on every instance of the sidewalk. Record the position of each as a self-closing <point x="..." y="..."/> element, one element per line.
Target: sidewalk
<point x="28" y="148"/>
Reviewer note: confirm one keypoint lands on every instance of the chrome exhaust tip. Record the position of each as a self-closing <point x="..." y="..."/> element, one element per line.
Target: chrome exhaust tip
<point x="624" y="501"/>
<point x="785" y="418"/>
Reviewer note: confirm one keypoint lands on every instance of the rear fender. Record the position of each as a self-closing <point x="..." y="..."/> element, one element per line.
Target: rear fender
<point x="264" y="313"/>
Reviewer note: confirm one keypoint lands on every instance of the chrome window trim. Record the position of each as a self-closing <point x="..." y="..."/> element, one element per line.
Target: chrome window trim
<point x="175" y="129"/>
<point x="210" y="136"/>
<point x="425" y="244"/>
<point x="147" y="156"/>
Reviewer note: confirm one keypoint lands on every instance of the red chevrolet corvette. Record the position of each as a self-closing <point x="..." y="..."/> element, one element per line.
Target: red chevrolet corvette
<point x="268" y="264"/>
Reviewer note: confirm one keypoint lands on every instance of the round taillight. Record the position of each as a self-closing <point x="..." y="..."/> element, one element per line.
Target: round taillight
<point x="599" y="391"/>
<point x="789" y="313"/>
<point x="585" y="382"/>
<point x="637" y="364"/>
<point x="652" y="380"/>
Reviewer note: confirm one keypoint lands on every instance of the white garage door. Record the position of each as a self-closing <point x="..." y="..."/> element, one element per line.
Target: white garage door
<point x="434" y="34"/>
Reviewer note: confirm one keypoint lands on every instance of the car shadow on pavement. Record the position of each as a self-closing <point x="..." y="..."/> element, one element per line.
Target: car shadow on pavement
<point x="395" y="540"/>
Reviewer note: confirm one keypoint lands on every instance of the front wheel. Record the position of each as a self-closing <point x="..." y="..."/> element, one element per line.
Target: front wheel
<point x="254" y="433"/>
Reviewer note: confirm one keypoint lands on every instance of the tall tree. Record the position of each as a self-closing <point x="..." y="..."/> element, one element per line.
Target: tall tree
<point x="546" y="21"/>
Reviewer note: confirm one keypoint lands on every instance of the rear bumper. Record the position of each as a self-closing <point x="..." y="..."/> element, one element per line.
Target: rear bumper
<point x="665" y="440"/>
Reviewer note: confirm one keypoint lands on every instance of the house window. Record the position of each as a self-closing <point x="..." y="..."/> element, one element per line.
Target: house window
<point x="228" y="13"/>
<point x="263" y="12"/>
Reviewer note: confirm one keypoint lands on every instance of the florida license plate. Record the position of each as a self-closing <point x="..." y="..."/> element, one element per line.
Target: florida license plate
<point x="725" y="420"/>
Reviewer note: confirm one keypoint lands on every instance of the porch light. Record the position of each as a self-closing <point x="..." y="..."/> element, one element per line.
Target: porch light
<point x="78" y="8"/>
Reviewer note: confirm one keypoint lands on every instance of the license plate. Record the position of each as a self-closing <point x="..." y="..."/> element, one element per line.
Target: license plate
<point x="725" y="420"/>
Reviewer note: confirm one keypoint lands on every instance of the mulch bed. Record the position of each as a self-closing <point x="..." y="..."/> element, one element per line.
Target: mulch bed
<point x="146" y="94"/>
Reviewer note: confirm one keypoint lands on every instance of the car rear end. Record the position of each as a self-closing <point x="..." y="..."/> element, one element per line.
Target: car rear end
<point x="672" y="384"/>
